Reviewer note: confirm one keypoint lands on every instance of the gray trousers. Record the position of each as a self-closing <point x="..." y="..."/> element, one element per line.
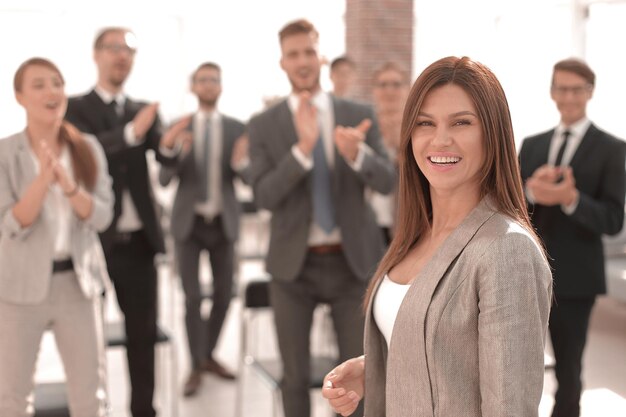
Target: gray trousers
<point x="77" y="326"/>
<point x="324" y="279"/>
<point x="203" y="335"/>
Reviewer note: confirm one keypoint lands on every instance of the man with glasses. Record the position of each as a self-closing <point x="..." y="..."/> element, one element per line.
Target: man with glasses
<point x="574" y="183"/>
<point x="127" y="129"/>
<point x="206" y="217"/>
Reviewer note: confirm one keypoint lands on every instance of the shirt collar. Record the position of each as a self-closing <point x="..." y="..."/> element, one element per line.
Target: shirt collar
<point x="576" y="129"/>
<point x="108" y="97"/>
<point x="321" y="100"/>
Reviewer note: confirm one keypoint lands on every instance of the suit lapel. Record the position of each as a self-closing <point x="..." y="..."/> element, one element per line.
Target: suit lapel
<point x="584" y="146"/>
<point x="111" y="119"/>
<point x="543" y="150"/>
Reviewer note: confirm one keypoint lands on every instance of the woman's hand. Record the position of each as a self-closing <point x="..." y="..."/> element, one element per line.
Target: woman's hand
<point x="344" y="386"/>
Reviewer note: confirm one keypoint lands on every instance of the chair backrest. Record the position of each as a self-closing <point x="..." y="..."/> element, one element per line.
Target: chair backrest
<point x="257" y="294"/>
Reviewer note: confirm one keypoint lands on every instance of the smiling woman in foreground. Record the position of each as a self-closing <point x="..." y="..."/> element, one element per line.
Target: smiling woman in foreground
<point x="456" y="313"/>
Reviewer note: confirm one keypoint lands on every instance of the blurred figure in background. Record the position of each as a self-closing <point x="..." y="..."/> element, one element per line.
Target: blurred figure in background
<point x="127" y="129"/>
<point x="206" y="216"/>
<point x="311" y="156"/>
<point x="390" y="90"/>
<point x="55" y="195"/>
<point x="343" y="76"/>
<point x="574" y="183"/>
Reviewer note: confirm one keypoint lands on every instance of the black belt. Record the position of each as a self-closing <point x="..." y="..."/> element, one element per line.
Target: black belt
<point x="125" y="237"/>
<point x="62" y="265"/>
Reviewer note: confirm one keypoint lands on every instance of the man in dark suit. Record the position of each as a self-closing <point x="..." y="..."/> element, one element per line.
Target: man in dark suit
<point x="206" y="216"/>
<point x="311" y="157"/>
<point x="574" y="182"/>
<point x="127" y="129"/>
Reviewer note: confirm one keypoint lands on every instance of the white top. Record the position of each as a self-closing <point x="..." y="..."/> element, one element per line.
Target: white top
<point x="59" y="206"/>
<point x="387" y="303"/>
<point x="213" y="206"/>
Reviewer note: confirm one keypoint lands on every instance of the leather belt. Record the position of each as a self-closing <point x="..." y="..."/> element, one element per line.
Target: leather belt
<point x="325" y="249"/>
<point x="62" y="265"/>
<point x="125" y="237"/>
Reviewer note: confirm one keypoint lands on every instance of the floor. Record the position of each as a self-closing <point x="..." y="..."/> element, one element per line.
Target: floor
<point x="604" y="361"/>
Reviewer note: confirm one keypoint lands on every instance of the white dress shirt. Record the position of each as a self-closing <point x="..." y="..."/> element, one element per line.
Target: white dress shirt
<point x="213" y="206"/>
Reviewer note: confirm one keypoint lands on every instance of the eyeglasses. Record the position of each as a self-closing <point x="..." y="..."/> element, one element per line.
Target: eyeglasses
<point x="117" y="48"/>
<point x="207" y="80"/>
<point x="576" y="90"/>
<point x="388" y="84"/>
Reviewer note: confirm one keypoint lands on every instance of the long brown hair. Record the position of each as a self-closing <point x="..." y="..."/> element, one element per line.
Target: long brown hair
<point x="83" y="159"/>
<point x="500" y="175"/>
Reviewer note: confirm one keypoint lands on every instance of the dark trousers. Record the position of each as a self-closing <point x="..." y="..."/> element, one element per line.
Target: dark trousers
<point x="131" y="267"/>
<point x="202" y="336"/>
<point x="324" y="279"/>
<point x="569" y="321"/>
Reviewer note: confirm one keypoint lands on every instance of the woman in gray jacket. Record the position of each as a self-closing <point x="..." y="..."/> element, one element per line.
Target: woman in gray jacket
<point x="457" y="312"/>
<point x="55" y="195"/>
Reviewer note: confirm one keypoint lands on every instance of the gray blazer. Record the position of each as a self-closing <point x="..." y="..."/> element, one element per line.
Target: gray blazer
<point x="26" y="254"/>
<point x="282" y="186"/>
<point x="469" y="336"/>
<point x="189" y="186"/>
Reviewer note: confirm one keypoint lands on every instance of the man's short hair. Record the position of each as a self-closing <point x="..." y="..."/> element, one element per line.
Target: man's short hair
<point x="105" y="31"/>
<point x="210" y="65"/>
<point x="578" y="67"/>
<point x="341" y="60"/>
<point x="297" y="27"/>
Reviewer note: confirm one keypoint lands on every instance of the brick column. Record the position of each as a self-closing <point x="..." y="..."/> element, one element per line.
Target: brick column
<point x="378" y="31"/>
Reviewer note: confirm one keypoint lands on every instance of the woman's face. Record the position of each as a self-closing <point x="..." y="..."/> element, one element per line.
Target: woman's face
<point x="448" y="143"/>
<point x="42" y="95"/>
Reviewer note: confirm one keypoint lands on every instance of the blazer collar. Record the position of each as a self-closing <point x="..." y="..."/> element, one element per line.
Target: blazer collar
<point x="409" y="329"/>
<point x="584" y="146"/>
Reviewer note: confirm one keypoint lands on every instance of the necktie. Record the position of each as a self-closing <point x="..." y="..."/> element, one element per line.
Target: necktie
<point x="206" y="162"/>
<point x="114" y="112"/>
<point x="323" y="210"/>
<point x="559" y="156"/>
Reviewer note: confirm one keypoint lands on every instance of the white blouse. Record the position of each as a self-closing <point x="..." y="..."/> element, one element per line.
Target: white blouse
<point x="387" y="302"/>
<point x="61" y="208"/>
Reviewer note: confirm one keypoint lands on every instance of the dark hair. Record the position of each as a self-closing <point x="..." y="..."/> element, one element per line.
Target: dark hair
<point x="576" y="66"/>
<point x="97" y="44"/>
<point x="300" y="26"/>
<point x="211" y="65"/>
<point x="83" y="160"/>
<point x="391" y="66"/>
<point x="500" y="176"/>
<point x="342" y="60"/>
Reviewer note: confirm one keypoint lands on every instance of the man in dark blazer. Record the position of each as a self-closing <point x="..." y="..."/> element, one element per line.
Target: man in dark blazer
<point x="574" y="182"/>
<point x="206" y="217"/>
<point x="127" y="129"/>
<point x="311" y="157"/>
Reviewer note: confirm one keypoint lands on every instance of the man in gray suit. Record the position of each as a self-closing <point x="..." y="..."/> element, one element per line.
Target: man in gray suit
<point x="311" y="156"/>
<point x="206" y="216"/>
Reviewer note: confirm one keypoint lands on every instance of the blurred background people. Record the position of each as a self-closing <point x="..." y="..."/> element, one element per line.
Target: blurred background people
<point x="389" y="92"/>
<point x="311" y="156"/>
<point x="55" y="194"/>
<point x="574" y="183"/>
<point x="343" y="76"/>
<point x="205" y="216"/>
<point x="127" y="129"/>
